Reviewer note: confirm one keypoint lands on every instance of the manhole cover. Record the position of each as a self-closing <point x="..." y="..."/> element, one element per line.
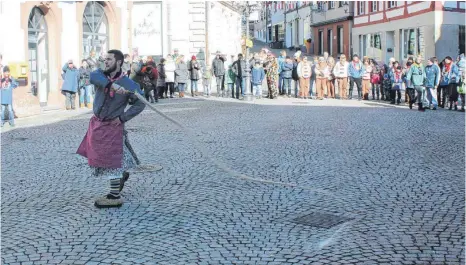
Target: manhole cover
<point x="145" y="168"/>
<point x="321" y="220"/>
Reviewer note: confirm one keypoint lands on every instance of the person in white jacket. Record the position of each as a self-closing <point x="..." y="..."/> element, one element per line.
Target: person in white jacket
<point x="340" y="71"/>
<point x="322" y="75"/>
<point x="170" y="68"/>
<point x="304" y="73"/>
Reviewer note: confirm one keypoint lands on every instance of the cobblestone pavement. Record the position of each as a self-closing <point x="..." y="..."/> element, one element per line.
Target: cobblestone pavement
<point x="395" y="177"/>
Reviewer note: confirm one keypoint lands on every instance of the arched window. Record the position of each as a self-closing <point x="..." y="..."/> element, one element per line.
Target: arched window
<point x="38" y="54"/>
<point x="95" y="29"/>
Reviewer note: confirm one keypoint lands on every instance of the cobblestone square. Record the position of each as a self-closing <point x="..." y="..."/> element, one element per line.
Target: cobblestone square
<point x="396" y="174"/>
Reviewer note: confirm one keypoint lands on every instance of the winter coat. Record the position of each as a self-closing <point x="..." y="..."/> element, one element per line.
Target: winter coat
<point x="170" y="68"/>
<point x="450" y="77"/>
<point x="281" y="62"/>
<point x="258" y="75"/>
<point x="432" y="76"/>
<point x="387" y="83"/>
<point x="162" y="75"/>
<point x="135" y="69"/>
<point x="70" y="79"/>
<point x="236" y="69"/>
<point x="355" y="70"/>
<point x="341" y="70"/>
<point x="230" y="76"/>
<point x="84" y="76"/>
<point x="396" y="80"/>
<point x="218" y="66"/>
<point x="6" y="91"/>
<point x="376" y="74"/>
<point x="287" y="69"/>
<point x="416" y="75"/>
<point x="194" y="68"/>
<point x="181" y="73"/>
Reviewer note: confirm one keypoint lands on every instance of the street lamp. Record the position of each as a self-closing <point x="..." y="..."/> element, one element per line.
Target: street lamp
<point x="248" y="7"/>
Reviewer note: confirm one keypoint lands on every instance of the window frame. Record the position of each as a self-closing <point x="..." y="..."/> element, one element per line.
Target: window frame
<point x="331" y="5"/>
<point x="361" y="7"/>
<point x="391" y="4"/>
<point x="376" y="5"/>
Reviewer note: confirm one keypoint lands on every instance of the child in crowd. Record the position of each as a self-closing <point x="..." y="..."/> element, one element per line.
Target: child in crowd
<point x="258" y="75"/>
<point x="397" y="80"/>
<point x="387" y="86"/>
<point x="7" y="85"/>
<point x="287" y="69"/>
<point x="206" y="80"/>
<point x="462" y="89"/>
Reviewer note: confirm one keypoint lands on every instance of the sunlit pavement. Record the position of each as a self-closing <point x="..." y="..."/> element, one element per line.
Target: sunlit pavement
<point x="324" y="182"/>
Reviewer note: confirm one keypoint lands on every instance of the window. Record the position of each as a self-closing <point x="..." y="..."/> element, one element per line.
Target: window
<point x="462" y="37"/>
<point x="409" y="43"/>
<point x="321" y="41"/>
<point x="376" y="41"/>
<point x="374" y="6"/>
<point x="281" y="32"/>
<point x="340" y="39"/>
<point x="391" y="4"/>
<point x="320" y="5"/>
<point x="331" y="5"/>
<point x="342" y="3"/>
<point x="330" y="41"/>
<point x="361" y="7"/>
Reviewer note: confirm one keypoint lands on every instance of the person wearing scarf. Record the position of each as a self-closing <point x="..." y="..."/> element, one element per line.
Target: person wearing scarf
<point x="449" y="80"/>
<point x="355" y="70"/>
<point x="106" y="145"/>
<point x="7" y="84"/>
<point x="416" y="76"/>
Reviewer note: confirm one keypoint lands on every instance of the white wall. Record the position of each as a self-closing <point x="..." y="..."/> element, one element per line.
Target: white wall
<point x="70" y="40"/>
<point x="12" y="51"/>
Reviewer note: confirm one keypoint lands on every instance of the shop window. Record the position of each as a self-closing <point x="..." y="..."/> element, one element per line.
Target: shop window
<point x="340" y="39"/>
<point x="410" y="45"/>
<point x="342" y="3"/>
<point x="320" y="5"/>
<point x="331" y="5"/>
<point x="281" y="32"/>
<point x="376" y="41"/>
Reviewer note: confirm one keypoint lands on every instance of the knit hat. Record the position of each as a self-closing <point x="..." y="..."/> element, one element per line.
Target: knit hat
<point x="193" y="57"/>
<point x="6" y="68"/>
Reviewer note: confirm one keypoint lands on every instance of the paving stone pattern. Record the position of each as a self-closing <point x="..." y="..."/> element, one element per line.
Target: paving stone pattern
<point x="396" y="174"/>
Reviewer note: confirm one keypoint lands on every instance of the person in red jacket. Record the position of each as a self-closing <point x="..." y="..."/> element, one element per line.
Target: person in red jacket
<point x="150" y="76"/>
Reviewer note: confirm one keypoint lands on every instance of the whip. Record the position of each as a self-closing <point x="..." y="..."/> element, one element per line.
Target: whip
<point x="218" y="163"/>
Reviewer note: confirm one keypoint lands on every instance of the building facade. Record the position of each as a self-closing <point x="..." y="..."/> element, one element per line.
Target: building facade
<point x="46" y="34"/>
<point x="401" y="29"/>
<point x="332" y="22"/>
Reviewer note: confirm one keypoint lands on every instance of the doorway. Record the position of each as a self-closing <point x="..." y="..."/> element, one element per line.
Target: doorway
<point x="38" y="55"/>
<point x="389" y="45"/>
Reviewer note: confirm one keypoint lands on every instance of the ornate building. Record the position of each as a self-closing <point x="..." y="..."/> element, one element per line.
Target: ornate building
<point x="45" y="34"/>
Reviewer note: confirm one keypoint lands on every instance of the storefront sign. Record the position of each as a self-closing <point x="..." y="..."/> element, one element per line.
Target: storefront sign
<point x="147" y="27"/>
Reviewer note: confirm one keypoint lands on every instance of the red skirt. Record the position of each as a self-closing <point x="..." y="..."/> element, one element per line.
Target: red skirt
<point x="103" y="143"/>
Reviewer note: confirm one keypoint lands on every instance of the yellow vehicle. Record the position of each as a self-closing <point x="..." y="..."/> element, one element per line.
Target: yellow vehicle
<point x="20" y="71"/>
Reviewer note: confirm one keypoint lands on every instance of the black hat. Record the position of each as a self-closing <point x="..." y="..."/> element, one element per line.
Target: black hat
<point x="6" y="68"/>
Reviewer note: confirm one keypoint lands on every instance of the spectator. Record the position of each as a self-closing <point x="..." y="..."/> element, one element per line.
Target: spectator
<point x="193" y="69"/>
<point x="7" y="85"/>
<point x="287" y="69"/>
<point x="70" y="84"/>
<point x="258" y="75"/>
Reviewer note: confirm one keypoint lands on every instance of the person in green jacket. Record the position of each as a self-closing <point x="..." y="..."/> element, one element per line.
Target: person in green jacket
<point x="416" y="76"/>
<point x="230" y="78"/>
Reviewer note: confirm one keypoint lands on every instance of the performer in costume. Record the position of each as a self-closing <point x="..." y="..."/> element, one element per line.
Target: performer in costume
<point x="106" y="144"/>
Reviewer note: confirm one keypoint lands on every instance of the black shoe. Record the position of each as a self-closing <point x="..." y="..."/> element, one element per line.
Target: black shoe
<point x="420" y="108"/>
<point x="410" y="105"/>
<point x="451" y="106"/>
<point x="392" y="102"/>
